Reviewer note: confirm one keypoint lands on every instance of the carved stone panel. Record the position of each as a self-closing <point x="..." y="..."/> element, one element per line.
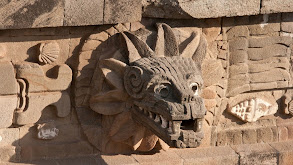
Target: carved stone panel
<point x="147" y="94"/>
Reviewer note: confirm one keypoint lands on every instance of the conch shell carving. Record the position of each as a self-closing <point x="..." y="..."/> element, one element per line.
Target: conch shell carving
<point x="49" y="52"/>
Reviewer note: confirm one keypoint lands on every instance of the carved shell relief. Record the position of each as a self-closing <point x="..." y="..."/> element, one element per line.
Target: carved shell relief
<point x="146" y="96"/>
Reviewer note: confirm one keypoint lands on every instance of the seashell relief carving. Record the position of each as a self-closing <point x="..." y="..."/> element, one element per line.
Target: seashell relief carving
<point x="250" y="107"/>
<point x="49" y="52"/>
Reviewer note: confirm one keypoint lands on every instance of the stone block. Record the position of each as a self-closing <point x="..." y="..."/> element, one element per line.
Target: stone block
<point x="237" y="31"/>
<point x="9" y="136"/>
<point x="238" y="56"/>
<point x="119" y="159"/>
<point x="8" y="85"/>
<point x="208" y="155"/>
<point x="9" y="154"/>
<point x="31" y="14"/>
<point x="162" y="157"/>
<point x="213" y="9"/>
<point x="290" y="132"/>
<point x="256" y="154"/>
<point x="283" y="133"/>
<point x="122" y="11"/>
<point x="38" y="80"/>
<point x="261" y="86"/>
<point x="265" y="135"/>
<point x="260" y="42"/>
<point x="50" y="151"/>
<point x="285" y="150"/>
<point x="249" y="136"/>
<point x="238" y="44"/>
<point x="275" y="6"/>
<point x="85" y="12"/>
<point x="8" y="105"/>
<point x="270" y="76"/>
<point x="234" y="137"/>
<point x="276" y="50"/>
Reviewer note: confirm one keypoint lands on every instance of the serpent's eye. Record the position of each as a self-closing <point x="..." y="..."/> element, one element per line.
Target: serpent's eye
<point x="195" y="88"/>
<point x="162" y="90"/>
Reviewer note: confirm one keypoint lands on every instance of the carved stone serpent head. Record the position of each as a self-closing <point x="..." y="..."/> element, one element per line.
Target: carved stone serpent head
<point x="165" y="98"/>
<point x="148" y="96"/>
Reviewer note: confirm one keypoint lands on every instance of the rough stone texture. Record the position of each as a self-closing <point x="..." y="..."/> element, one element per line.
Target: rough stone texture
<point x="122" y="11"/>
<point x="7" y="106"/>
<point x="200" y="9"/>
<point x="285" y="152"/>
<point x="275" y="6"/>
<point x="85" y="12"/>
<point x="265" y="154"/>
<point x="31" y="14"/>
<point x="9" y="137"/>
<point x="8" y="85"/>
<point x="202" y="156"/>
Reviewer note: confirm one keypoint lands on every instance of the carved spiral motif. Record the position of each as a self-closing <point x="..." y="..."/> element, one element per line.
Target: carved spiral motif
<point x="133" y="81"/>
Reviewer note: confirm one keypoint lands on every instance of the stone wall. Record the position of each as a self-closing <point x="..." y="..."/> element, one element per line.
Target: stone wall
<point x="49" y="65"/>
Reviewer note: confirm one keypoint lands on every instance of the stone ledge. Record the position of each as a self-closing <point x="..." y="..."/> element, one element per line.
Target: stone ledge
<point x="56" y="13"/>
<point x="270" y="153"/>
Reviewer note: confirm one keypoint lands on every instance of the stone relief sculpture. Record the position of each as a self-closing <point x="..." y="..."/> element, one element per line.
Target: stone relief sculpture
<point x="24" y="96"/>
<point x="250" y="107"/>
<point x="144" y="97"/>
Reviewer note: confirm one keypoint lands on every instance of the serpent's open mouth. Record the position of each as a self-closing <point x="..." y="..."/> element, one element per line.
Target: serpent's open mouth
<point x="176" y="133"/>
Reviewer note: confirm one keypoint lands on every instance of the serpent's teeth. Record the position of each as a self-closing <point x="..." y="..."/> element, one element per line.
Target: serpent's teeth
<point x="150" y="115"/>
<point x="157" y="119"/>
<point x="164" y="122"/>
<point x="140" y="108"/>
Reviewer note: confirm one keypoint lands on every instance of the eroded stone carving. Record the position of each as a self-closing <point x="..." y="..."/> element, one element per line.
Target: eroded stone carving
<point x="250" y="107"/>
<point x="137" y="89"/>
<point x="287" y="101"/>
<point x="47" y="131"/>
<point x="49" y="52"/>
<point x="38" y="91"/>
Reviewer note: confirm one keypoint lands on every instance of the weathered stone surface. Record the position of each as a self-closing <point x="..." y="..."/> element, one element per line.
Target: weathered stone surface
<point x="8" y="85"/>
<point x="265" y="135"/>
<point x="7" y="106"/>
<point x="238" y="44"/>
<point x="31" y="13"/>
<point x="85" y="12"/>
<point x="285" y="152"/>
<point x="275" y="6"/>
<point x="283" y="133"/>
<point x="237" y="31"/>
<point x="276" y="50"/>
<point x="212" y="72"/>
<point x="249" y="136"/>
<point x="212" y="9"/>
<point x="9" y="136"/>
<point x="238" y="56"/>
<point x="260" y="42"/>
<point x="202" y="156"/>
<point x="270" y="76"/>
<point x="122" y="11"/>
<point x="38" y="80"/>
<point x="265" y="154"/>
<point x="163" y="157"/>
<point x="38" y="101"/>
<point x="9" y="154"/>
<point x="120" y="159"/>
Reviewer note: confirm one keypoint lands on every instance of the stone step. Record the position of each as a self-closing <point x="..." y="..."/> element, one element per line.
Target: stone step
<point x="278" y="153"/>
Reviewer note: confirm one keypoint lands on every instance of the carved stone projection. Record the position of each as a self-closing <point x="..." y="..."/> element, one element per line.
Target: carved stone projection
<point x="287" y="102"/>
<point x="146" y="99"/>
<point x="250" y="107"/>
<point x="24" y="96"/>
